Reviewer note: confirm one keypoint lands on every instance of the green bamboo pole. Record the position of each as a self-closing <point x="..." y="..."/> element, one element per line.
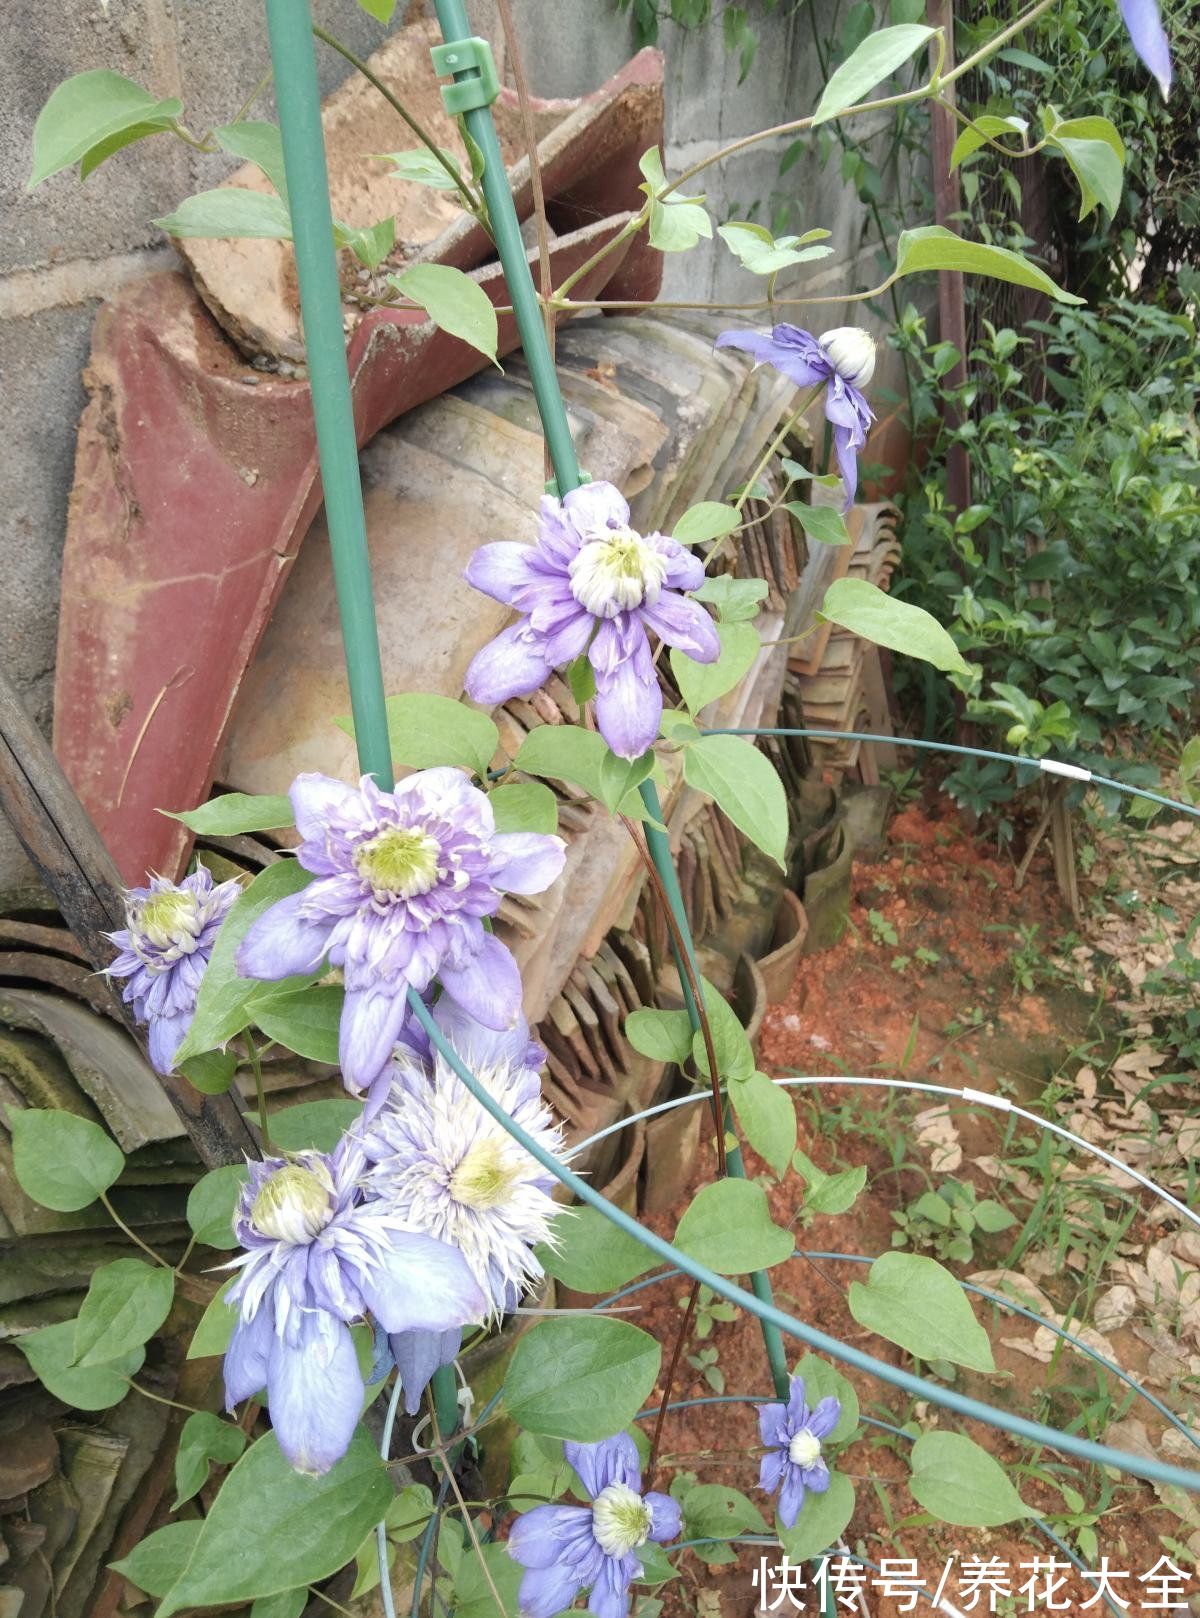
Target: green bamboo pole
<point x="298" y="97"/>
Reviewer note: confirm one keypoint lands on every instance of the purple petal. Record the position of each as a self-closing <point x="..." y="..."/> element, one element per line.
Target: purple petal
<point x="421" y="1284"/>
<point x="847" y="459"/>
<point x="248" y="1356"/>
<point x="1146" y="35"/>
<point x="315" y="798"/>
<point x="486" y="984"/>
<point x="499" y="570"/>
<point x="418" y="1354"/>
<point x="628" y="710"/>
<point x="770" y="1470"/>
<point x="166" y="1035"/>
<point x="512" y="665"/>
<point x="797" y="1408"/>
<point x="595" y="506"/>
<point x="683" y="624"/>
<point x="609" y="1460"/>
<point x="815" y="1477"/>
<point x="546" y="1591"/>
<point x="280" y="944"/>
<point x="772" y="1424"/>
<point x="315" y="1392"/>
<point x="485" y="1047"/>
<point x="666" y="1518"/>
<point x="367" y="1035"/>
<point x="538" y="1536"/>
<point x="570" y="639"/>
<point x="530" y="861"/>
<point x="825" y="1417"/>
<point x="791" y="1497"/>
<point x="794" y="353"/>
<point x="685" y="570"/>
<point x="609" y="1596"/>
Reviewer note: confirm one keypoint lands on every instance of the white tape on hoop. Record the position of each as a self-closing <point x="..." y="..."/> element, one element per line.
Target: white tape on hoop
<point x="1073" y="772"/>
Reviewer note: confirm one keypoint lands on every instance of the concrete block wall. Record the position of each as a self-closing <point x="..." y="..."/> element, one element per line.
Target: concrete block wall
<point x="65" y="247"/>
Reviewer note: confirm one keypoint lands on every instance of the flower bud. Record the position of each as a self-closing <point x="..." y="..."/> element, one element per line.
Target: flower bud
<point x="294" y="1204"/>
<point x="851" y="352"/>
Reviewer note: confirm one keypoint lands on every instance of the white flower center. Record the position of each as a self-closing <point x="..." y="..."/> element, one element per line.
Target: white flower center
<point x="804" y="1449"/>
<point x="168" y="921"/>
<point x="399" y="862"/>
<point x="483" y="1179"/>
<point x="615" y="572"/>
<point x="294" y="1204"/>
<point x="620" y="1520"/>
<point x="851" y="352"/>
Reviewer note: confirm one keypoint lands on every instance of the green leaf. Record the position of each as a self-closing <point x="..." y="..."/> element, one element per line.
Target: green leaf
<point x="157" y="1561"/>
<point x="702" y="683"/>
<point x="591" y="1254"/>
<point x="306" y="1021"/>
<point x="287" y="1603"/>
<point x="203" y="1438"/>
<point x="876" y="59"/>
<point x="271" y="1528"/>
<point x="728" y="1226"/>
<point x="619" y="778"/>
<point x="822" y="1521"/>
<point x="216" y="1326"/>
<point x="223" y="1004"/>
<point x="960" y="1483"/>
<point x="866" y="610"/>
<point x="825" y="524"/>
<point x="381" y="10"/>
<point x="735" y="600"/>
<point x="475" y="1578"/>
<point x="915" y="1303"/>
<point x="235" y="812"/>
<point x="211" y="1073"/>
<point x="259" y="143"/>
<point x="454" y="302"/>
<point x="91" y="110"/>
<point x="735" y="1058"/>
<point x="679" y="222"/>
<point x="314" y="1126"/>
<point x="580" y="1377"/>
<point x="211" y="1203"/>
<point x="663" y="1036"/>
<point x="103" y="150"/>
<point x="581" y="677"/>
<point x="1096" y="163"/>
<point x="763" y="254"/>
<point x="829" y="1193"/>
<point x="126" y="1303"/>
<point x="742" y="782"/>
<point x="712" y="1511"/>
<point x="62" y="1161"/>
<point x="656" y="1569"/>
<point x="979" y="131"/>
<point x="933" y="247"/>
<point x="425" y="730"/>
<point x="422" y="168"/>
<point x="709" y="520"/>
<point x="51" y="1352"/>
<point x="767" y="1117"/>
<point x="370" y="244"/>
<point x="570" y="753"/>
<point x="525" y="806"/>
<point x="822" y="1381"/>
<point x="992" y="1217"/>
<point x="230" y="211"/>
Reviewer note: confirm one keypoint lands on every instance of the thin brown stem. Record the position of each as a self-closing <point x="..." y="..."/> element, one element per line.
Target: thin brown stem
<point x="160" y="1400"/>
<point x="133" y="1236"/>
<point x="472" y="1535"/>
<point x="260" y="1094"/>
<point x="669" y="1383"/>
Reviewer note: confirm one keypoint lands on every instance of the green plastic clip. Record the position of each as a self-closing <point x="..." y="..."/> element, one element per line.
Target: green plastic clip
<point x="552" y="483"/>
<point x="474" y="57"/>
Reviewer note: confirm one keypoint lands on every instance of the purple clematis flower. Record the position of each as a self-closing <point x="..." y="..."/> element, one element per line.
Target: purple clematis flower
<point x="844" y="359"/>
<point x="1143" y="23"/>
<point x="566" y="1549"/>
<point x="591" y="585"/>
<point x="164" y="948"/>
<point x="320" y="1254"/>
<point x="793" y="1434"/>
<point x="403" y="880"/>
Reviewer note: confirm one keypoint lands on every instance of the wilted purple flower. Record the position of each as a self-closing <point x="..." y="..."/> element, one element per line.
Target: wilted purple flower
<point x="320" y="1254"/>
<point x="1143" y="23"/>
<point x="793" y="1434"/>
<point x="404" y="879"/>
<point x="566" y="1549"/>
<point x="591" y="584"/>
<point x="170" y="929"/>
<point x="843" y="358"/>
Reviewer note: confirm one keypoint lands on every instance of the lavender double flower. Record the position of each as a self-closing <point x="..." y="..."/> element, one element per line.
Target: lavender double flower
<point x="403" y="882"/>
<point x="319" y="1254"/>
<point x="1143" y="24"/>
<point x="566" y="1549"/>
<point x="843" y="359"/>
<point x="591" y="585"/>
<point x="169" y="933"/>
<point x="793" y="1434"/>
